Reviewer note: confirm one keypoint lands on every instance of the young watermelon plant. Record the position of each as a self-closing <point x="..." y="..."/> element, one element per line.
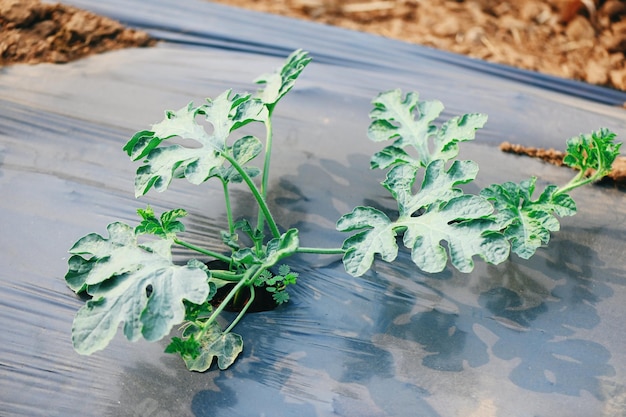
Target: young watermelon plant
<point x="131" y="279"/>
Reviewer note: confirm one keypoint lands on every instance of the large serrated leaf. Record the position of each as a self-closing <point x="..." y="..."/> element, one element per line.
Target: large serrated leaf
<point x="464" y="224"/>
<point x="439" y="184"/>
<point x="527" y="223"/>
<point x="409" y="122"/>
<point x="196" y="163"/>
<point x="438" y="213"/>
<point x="105" y="257"/>
<point x="137" y="285"/>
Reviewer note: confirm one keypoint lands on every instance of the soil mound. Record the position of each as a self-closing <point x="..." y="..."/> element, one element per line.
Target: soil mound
<point x="32" y="32"/>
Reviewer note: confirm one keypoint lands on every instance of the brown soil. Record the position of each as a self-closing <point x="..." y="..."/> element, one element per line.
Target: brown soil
<point x="617" y="174"/>
<point x="579" y="39"/>
<point x="33" y="32"/>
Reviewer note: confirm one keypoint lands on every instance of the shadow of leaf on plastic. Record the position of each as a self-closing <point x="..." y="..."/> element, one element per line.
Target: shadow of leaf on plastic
<point x="529" y="306"/>
<point x="315" y="188"/>
<point x="534" y="332"/>
<point x="448" y="339"/>
<point x="241" y="396"/>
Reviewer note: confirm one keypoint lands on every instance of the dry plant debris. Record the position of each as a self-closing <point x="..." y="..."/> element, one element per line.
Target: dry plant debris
<point x="577" y="39"/>
<point x="32" y="32"/>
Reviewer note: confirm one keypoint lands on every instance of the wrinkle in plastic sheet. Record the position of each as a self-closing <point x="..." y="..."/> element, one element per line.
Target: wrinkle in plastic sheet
<point x="539" y="337"/>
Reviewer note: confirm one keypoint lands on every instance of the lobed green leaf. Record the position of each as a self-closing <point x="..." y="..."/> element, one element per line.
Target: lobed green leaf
<point x="439" y="211"/>
<point x="409" y="122"/>
<point x="525" y="222"/>
<point x="439" y="184"/>
<point x="379" y="237"/>
<point x="214" y="344"/>
<point x="464" y="223"/>
<point x="280" y="82"/>
<point x="595" y="151"/>
<point x="395" y="118"/>
<point x="196" y="163"/>
<point x="390" y="156"/>
<point x="137" y="285"/>
<point x="280" y="297"/>
<point x="243" y="151"/>
<point x="166" y="227"/>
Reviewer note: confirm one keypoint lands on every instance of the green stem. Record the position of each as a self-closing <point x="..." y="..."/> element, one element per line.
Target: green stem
<point x="207" y="252"/>
<point x="576" y="182"/>
<point x="226" y="275"/>
<point x="321" y="251"/>
<point x="257" y="195"/>
<point x="242" y="312"/>
<point x="249" y="277"/>
<point x="229" y="213"/>
<point x="269" y="134"/>
<point x="579" y="180"/>
<point x="223" y="304"/>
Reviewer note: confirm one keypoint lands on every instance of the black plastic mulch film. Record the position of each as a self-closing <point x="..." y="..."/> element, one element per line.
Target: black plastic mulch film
<point x="542" y="337"/>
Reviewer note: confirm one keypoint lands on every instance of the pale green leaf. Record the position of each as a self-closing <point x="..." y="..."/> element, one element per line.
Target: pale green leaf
<point x="390" y="156"/>
<point x="280" y="247"/>
<point x="439" y="213"/>
<point x="215" y="344"/>
<point x="246" y="256"/>
<point x="281" y="81"/>
<point x="438" y="184"/>
<point x="379" y="237"/>
<point x="106" y="257"/>
<point x="195" y="162"/>
<point x="243" y="151"/>
<point x="276" y="249"/>
<point x="246" y="149"/>
<point x="458" y="129"/>
<point x="409" y="122"/>
<point x="137" y="285"/>
<point x="464" y="224"/>
<point x="527" y="223"/>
